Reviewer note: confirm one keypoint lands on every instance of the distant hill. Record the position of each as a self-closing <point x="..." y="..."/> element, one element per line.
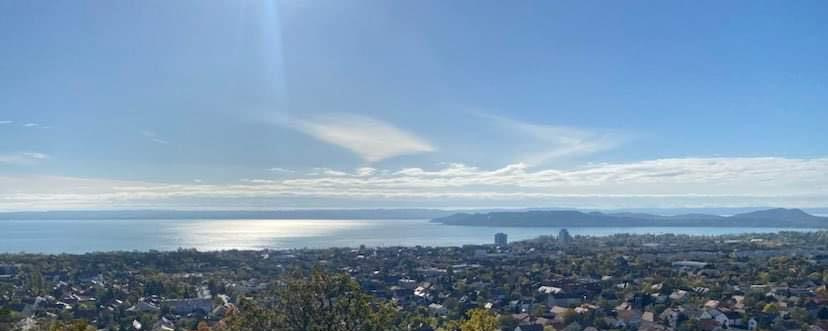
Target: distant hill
<point x="779" y="217"/>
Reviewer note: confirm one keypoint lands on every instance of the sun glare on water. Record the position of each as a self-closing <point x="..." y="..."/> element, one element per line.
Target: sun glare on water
<point x="255" y="234"/>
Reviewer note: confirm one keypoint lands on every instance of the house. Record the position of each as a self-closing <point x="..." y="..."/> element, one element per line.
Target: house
<point x="709" y="314"/>
<point x="559" y="311"/>
<point x="143" y="306"/>
<point x="711" y="304"/>
<point x="423" y="290"/>
<point x="549" y="290"/>
<point x="544" y="321"/>
<point x="163" y="324"/>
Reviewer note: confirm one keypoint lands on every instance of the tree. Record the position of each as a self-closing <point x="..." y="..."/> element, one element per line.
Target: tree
<point x="36" y="283"/>
<point x="800" y="315"/>
<point x="770" y="308"/>
<point x="320" y="302"/>
<point x="251" y="317"/>
<point x="479" y="320"/>
<point x="76" y="325"/>
<point x="507" y="321"/>
<point x="332" y="302"/>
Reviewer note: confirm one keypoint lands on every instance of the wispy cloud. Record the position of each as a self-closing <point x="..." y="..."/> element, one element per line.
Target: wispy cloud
<point x="557" y="142"/>
<point x="677" y="182"/>
<point x="34" y="125"/>
<point x="365" y="171"/>
<point x="22" y="158"/>
<point x="6" y="122"/>
<point x="373" y="140"/>
<point x="154" y="137"/>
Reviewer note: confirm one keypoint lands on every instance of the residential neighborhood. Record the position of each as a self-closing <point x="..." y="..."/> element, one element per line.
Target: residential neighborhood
<point x="618" y="282"/>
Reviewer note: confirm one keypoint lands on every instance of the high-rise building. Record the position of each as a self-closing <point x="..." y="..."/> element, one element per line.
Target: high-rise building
<point x="564" y="236"/>
<point x="501" y="239"/>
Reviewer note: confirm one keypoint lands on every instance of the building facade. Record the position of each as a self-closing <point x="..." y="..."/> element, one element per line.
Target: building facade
<point x="500" y="239"/>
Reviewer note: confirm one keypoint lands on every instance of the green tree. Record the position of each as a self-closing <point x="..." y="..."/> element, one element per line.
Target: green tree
<point x="800" y="315"/>
<point x="36" y="283"/>
<point x="76" y="325"/>
<point x="770" y="308"/>
<point x="330" y="302"/>
<point x="507" y="321"/>
<point x="251" y="317"/>
<point x="319" y="302"/>
<point x="479" y="320"/>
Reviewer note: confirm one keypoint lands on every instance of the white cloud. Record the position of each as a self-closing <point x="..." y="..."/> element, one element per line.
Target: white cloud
<point x="365" y="171"/>
<point x="23" y="158"/>
<point x="34" y="125"/>
<point x="556" y="142"/>
<point x="152" y="136"/>
<point x="373" y="140"/>
<point x="6" y="122"/>
<point x="676" y="182"/>
<point x="36" y="156"/>
<point x="280" y="170"/>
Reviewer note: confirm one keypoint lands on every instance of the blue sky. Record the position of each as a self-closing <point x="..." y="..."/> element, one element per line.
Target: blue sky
<point x="303" y="104"/>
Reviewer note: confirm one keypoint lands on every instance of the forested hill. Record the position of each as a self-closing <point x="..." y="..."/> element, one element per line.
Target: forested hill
<point x="779" y="217"/>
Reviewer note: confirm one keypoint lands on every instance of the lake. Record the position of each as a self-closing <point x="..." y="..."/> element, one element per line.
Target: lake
<point x="81" y="236"/>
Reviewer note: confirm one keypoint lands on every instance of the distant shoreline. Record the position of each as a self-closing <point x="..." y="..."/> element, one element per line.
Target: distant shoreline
<point x="346" y="214"/>
<point x="575" y="231"/>
<point x="777" y="217"/>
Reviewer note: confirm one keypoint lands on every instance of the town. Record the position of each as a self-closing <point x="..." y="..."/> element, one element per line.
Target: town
<point x="774" y="281"/>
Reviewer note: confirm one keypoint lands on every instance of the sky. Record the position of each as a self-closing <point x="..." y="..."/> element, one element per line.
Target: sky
<point x="437" y="104"/>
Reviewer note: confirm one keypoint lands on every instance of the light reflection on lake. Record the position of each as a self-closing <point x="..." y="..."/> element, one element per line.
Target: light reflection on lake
<point x="79" y="236"/>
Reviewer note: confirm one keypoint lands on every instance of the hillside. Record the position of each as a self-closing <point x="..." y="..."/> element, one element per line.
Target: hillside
<point x="779" y="217"/>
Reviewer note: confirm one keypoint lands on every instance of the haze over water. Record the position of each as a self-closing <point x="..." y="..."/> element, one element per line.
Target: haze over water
<point x="82" y="236"/>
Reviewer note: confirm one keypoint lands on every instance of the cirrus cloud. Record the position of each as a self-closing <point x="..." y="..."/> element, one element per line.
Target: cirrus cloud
<point x="372" y="139"/>
<point x="552" y="142"/>
<point x="675" y="182"/>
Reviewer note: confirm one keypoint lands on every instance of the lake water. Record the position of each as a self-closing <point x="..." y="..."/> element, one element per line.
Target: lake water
<point x="80" y="236"/>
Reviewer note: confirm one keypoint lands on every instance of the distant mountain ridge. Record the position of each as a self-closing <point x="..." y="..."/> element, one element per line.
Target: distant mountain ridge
<point x="777" y="217"/>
